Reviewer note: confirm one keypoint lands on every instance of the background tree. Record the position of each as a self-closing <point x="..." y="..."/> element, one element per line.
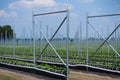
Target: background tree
<point x="6" y="32"/>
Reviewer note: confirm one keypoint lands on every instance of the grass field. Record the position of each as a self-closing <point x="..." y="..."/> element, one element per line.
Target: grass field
<point x="105" y="58"/>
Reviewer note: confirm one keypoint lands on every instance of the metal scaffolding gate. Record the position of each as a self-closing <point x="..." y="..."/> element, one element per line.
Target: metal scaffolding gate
<point x="49" y="41"/>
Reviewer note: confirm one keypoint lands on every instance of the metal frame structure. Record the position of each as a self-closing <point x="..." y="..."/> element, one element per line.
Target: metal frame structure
<point x="49" y="41"/>
<point x="14" y="43"/>
<point x="54" y="34"/>
<point x="105" y="40"/>
<point x="78" y="43"/>
<point x="87" y="40"/>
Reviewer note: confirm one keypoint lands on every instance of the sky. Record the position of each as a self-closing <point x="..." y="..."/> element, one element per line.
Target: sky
<point x="18" y="14"/>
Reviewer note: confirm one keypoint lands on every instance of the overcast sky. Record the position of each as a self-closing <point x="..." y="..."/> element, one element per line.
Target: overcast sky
<point x="18" y="13"/>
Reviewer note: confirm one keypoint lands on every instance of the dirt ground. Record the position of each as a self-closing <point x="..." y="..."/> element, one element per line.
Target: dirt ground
<point x="20" y="75"/>
<point x="74" y="75"/>
<point x="16" y="76"/>
<point x="86" y="75"/>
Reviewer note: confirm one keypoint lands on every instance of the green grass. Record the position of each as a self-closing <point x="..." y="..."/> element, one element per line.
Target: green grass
<point x="5" y="77"/>
<point x="102" y="56"/>
<point x="31" y="64"/>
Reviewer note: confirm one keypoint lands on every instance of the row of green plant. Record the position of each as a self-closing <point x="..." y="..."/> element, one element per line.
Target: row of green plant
<point x="54" y="58"/>
<point x="102" y="64"/>
<point x="74" y="57"/>
<point x="62" y="52"/>
<point x="53" y="68"/>
<point x="111" y="66"/>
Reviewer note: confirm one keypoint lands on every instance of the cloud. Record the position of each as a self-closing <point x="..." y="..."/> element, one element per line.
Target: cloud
<point x="58" y="7"/>
<point x="6" y="15"/>
<point x="32" y="3"/>
<point x="86" y="1"/>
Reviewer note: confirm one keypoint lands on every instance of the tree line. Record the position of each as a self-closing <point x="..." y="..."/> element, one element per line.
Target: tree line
<point x="6" y="32"/>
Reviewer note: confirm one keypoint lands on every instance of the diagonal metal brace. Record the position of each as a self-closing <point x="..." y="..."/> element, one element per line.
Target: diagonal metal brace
<point x="53" y="49"/>
<point x="106" y="41"/>
<point x="107" y="38"/>
<point x="54" y="34"/>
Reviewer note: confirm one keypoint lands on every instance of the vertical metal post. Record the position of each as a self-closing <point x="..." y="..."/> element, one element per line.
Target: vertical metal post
<point x="51" y="33"/>
<point x="40" y="41"/>
<point x="40" y="38"/>
<point x="78" y="41"/>
<point x="34" y="57"/>
<point x="115" y="41"/>
<point x="81" y="38"/>
<point x="67" y="48"/>
<point x="60" y="41"/>
<point x="47" y="32"/>
<point x="87" y="40"/>
<point x="6" y="35"/>
<point x="47" y="37"/>
<point x="14" y="38"/>
<point x="108" y="40"/>
<point x="103" y="35"/>
<point x="6" y="41"/>
<point x="31" y="41"/>
<point x="95" y="41"/>
<point x="24" y="42"/>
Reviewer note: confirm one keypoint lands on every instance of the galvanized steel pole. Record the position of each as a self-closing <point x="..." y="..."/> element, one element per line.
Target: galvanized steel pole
<point x="24" y="41"/>
<point x="78" y="41"/>
<point x="81" y="38"/>
<point x="14" y="45"/>
<point x="34" y="58"/>
<point x="108" y="40"/>
<point x="40" y="40"/>
<point x="6" y="40"/>
<point x="87" y="40"/>
<point x="67" y="48"/>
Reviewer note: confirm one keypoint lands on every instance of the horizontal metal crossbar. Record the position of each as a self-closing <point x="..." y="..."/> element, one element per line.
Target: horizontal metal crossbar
<point x="103" y="15"/>
<point x="50" y="13"/>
